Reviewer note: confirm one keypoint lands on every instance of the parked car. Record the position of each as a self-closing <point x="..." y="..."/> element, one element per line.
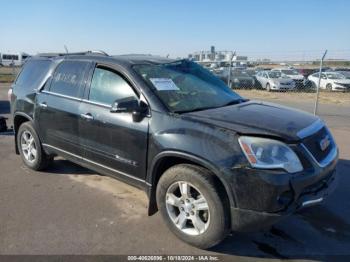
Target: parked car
<point x="252" y="73"/>
<point x="306" y="71"/>
<point x="332" y="81"/>
<point x="342" y="69"/>
<point x="241" y="79"/>
<point x="274" y="80"/>
<point x="298" y="78"/>
<point x="209" y="160"/>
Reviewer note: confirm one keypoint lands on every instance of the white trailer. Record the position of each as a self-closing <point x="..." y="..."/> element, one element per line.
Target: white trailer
<point x="13" y="59"/>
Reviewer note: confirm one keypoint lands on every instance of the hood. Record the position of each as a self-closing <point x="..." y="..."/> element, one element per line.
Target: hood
<point x="296" y="77"/>
<point x="257" y="118"/>
<point x="283" y="80"/>
<point x="341" y="81"/>
<point x="242" y="78"/>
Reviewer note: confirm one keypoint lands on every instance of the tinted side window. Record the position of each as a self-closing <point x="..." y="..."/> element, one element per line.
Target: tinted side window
<point x="33" y="73"/>
<point x="107" y="87"/>
<point x="68" y="78"/>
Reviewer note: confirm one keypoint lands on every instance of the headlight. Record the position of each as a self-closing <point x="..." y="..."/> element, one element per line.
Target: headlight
<point x="267" y="153"/>
<point x="236" y="80"/>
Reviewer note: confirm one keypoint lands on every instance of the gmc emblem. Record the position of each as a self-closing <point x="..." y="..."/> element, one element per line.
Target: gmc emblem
<point x="324" y="143"/>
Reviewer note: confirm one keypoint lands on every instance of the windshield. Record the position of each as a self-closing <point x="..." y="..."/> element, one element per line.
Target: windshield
<point x="335" y="76"/>
<point x="185" y="86"/>
<point x="290" y="72"/>
<point x="239" y="73"/>
<point x="275" y="74"/>
<point x="251" y="72"/>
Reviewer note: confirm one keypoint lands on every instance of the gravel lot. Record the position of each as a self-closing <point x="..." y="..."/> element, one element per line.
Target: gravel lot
<point x="71" y="210"/>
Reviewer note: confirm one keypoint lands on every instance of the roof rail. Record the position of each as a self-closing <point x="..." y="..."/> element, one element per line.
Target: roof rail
<point x="98" y="52"/>
<point x="93" y="52"/>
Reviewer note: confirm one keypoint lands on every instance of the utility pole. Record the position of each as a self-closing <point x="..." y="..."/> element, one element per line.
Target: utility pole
<point x="229" y="70"/>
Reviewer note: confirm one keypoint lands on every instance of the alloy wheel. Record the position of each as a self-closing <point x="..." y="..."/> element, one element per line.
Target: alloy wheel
<point x="187" y="208"/>
<point x="28" y="146"/>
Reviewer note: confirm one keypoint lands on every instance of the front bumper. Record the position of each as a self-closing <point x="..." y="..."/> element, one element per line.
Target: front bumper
<point x="265" y="196"/>
<point x="343" y="88"/>
<point x="245" y="220"/>
<point x="283" y="87"/>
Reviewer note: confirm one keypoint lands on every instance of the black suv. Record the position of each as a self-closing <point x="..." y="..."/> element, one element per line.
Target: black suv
<point x="209" y="160"/>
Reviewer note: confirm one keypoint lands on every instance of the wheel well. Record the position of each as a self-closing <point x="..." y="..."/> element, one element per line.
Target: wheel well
<point x="17" y="122"/>
<point x="168" y="162"/>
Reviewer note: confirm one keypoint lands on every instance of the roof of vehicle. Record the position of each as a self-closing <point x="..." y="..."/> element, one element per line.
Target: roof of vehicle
<point x="130" y="59"/>
<point x="332" y="72"/>
<point x="285" y="68"/>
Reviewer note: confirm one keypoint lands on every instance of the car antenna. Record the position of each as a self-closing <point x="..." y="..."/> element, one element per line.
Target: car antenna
<point x="65" y="48"/>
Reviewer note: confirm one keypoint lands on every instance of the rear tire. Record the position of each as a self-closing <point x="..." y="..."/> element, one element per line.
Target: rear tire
<point x="30" y="148"/>
<point x="199" y="217"/>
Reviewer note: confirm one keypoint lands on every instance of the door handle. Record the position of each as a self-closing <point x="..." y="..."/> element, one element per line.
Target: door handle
<point x="87" y="116"/>
<point x="43" y="105"/>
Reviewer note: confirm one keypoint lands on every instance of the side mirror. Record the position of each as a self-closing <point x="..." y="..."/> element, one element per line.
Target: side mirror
<point x="125" y="105"/>
<point x="130" y="105"/>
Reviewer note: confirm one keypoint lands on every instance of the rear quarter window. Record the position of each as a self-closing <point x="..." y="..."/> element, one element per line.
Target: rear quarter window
<point x="32" y="74"/>
<point x="68" y="78"/>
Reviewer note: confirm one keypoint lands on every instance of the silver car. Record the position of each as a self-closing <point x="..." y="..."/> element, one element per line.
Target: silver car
<point x="274" y="80"/>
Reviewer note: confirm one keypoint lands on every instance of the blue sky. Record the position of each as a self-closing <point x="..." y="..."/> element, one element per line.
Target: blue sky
<point x="255" y="28"/>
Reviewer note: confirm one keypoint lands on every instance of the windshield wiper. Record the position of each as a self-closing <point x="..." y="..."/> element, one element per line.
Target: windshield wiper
<point x="195" y="110"/>
<point x="232" y="102"/>
<point x="235" y="102"/>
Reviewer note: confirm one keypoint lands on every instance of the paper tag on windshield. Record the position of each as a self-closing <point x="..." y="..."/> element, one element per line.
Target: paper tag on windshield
<point x="163" y="84"/>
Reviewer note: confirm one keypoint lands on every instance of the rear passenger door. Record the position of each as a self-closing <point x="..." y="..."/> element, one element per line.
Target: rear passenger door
<point x="58" y="107"/>
<point x="113" y="141"/>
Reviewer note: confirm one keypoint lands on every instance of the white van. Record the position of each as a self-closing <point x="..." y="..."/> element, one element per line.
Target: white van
<point x="13" y="59"/>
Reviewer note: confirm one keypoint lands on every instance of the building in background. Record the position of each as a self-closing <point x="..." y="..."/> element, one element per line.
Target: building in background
<point x="218" y="57"/>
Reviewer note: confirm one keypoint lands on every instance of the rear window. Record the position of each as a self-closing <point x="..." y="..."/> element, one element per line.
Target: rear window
<point x="32" y="74"/>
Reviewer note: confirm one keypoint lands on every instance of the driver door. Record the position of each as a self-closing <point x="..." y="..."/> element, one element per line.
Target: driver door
<point x="112" y="141"/>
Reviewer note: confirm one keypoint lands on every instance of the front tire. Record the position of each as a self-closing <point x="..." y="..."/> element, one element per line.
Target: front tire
<point x="30" y="148"/>
<point x="268" y="87"/>
<point x="191" y="205"/>
<point x="329" y="87"/>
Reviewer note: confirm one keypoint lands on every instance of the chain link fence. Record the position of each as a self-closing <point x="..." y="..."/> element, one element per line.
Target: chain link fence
<point x="8" y="73"/>
<point x="284" y="79"/>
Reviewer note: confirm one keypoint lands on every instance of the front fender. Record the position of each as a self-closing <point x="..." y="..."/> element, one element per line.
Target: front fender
<point x="186" y="157"/>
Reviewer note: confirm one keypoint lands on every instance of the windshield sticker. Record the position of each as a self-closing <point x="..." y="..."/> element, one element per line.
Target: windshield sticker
<point x="164" y="84"/>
